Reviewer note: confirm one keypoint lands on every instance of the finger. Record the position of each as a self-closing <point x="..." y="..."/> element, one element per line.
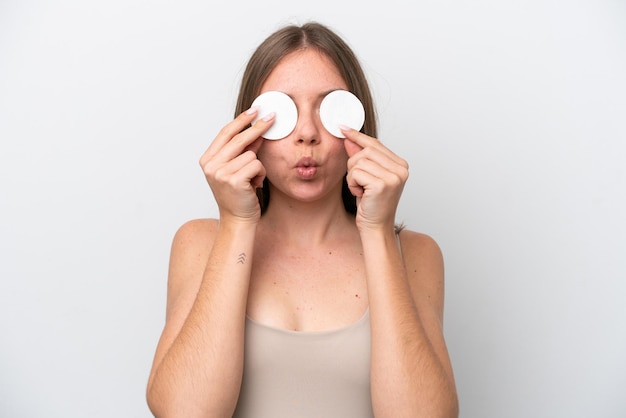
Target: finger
<point x="377" y="170"/>
<point x="233" y="139"/>
<point x="359" y="181"/>
<point x="243" y="140"/>
<point x="257" y="181"/>
<point x="380" y="158"/>
<point x="356" y="183"/>
<point x="230" y="130"/>
<point x="256" y="145"/>
<point x="357" y="137"/>
<point x="254" y="173"/>
<point x="222" y="172"/>
<point x="356" y="190"/>
<point x="365" y="141"/>
<point x="245" y="172"/>
<point x="351" y="147"/>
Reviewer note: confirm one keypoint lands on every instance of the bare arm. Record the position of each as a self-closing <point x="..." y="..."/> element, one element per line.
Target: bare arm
<point x="410" y="371"/>
<point x="198" y="364"/>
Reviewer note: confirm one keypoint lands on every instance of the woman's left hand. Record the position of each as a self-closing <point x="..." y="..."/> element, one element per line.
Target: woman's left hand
<point x="376" y="176"/>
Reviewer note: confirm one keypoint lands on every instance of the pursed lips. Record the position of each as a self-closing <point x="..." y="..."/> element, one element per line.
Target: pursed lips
<point x="306" y="167"/>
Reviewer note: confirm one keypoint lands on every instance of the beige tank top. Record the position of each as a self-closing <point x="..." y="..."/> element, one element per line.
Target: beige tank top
<point x="306" y="374"/>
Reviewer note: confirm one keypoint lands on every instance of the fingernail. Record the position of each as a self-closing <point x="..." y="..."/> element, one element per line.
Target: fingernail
<point x="269" y="116"/>
<point x="252" y="110"/>
<point x="345" y="128"/>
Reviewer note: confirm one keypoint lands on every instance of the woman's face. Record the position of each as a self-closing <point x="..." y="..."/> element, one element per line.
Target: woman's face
<point x="308" y="164"/>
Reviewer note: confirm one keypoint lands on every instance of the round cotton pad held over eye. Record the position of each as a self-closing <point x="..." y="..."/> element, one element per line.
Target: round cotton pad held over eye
<point x="285" y="109"/>
<point x="340" y="107"/>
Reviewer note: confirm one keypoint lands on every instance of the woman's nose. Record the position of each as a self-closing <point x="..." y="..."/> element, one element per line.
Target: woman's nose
<point x="308" y="126"/>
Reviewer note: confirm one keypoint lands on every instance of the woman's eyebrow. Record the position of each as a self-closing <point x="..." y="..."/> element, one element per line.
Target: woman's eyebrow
<point x="326" y="93"/>
<point x="320" y="95"/>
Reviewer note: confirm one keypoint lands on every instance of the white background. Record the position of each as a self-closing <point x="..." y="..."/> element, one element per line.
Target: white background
<point x="512" y="116"/>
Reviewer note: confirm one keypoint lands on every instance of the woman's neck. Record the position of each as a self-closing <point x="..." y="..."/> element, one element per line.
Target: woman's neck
<point x="308" y="223"/>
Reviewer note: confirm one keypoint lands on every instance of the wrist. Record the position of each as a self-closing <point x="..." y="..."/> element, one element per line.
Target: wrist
<point x="237" y="224"/>
<point x="378" y="233"/>
<point x="248" y="216"/>
<point x="376" y="229"/>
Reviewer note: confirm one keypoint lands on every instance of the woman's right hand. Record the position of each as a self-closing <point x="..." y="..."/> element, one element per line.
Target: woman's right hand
<point x="232" y="169"/>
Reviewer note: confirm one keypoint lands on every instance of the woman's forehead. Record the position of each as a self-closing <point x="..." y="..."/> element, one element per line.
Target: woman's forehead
<point x="307" y="71"/>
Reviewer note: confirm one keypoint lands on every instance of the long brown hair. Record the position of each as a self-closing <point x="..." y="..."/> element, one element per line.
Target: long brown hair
<point x="292" y="38"/>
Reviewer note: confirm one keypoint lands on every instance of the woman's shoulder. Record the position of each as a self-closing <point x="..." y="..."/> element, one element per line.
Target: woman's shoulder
<point x="424" y="265"/>
<point x="419" y="244"/>
<point x="198" y="226"/>
<point x="191" y="244"/>
<point x="195" y="234"/>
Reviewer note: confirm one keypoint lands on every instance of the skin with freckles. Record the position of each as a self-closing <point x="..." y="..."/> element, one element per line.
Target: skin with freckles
<point x="305" y="171"/>
<point x="305" y="264"/>
<point x="310" y="145"/>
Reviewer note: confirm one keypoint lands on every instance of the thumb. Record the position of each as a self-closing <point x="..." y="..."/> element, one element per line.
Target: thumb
<point x="254" y="146"/>
<point x="351" y="147"/>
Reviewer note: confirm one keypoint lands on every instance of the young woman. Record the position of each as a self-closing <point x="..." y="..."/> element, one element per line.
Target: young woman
<point x="304" y="299"/>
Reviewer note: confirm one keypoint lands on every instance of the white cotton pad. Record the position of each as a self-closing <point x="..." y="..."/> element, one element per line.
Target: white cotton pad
<point x="285" y="109"/>
<point x="340" y="107"/>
